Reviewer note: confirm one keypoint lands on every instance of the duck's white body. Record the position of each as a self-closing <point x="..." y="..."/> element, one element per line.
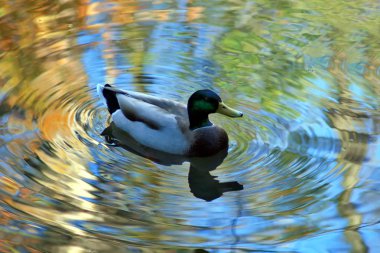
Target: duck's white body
<point x="169" y="137"/>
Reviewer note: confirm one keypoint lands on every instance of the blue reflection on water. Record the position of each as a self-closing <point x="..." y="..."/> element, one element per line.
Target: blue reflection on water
<point x="92" y="58"/>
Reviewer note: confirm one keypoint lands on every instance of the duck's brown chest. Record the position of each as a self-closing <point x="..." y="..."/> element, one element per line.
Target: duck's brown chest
<point x="208" y="141"/>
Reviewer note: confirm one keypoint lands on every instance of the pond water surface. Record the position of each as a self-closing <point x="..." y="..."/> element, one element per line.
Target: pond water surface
<point x="302" y="173"/>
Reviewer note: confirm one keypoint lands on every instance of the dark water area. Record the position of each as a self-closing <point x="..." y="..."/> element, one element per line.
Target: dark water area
<point x="301" y="173"/>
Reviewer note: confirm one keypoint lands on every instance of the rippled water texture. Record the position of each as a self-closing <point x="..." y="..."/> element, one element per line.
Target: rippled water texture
<point x="307" y="151"/>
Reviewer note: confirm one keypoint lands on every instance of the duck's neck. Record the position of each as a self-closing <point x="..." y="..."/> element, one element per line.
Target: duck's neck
<point x="198" y="119"/>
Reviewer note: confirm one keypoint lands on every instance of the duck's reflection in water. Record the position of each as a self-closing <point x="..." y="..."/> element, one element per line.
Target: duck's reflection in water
<point x="202" y="184"/>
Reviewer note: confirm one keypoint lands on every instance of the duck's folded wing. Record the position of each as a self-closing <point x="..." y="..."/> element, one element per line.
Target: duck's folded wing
<point x="146" y="113"/>
<point x="166" y="104"/>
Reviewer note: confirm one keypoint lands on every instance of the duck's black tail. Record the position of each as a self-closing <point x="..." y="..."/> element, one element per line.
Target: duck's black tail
<point x="109" y="96"/>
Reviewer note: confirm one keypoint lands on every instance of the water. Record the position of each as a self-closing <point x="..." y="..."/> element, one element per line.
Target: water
<point x="307" y="152"/>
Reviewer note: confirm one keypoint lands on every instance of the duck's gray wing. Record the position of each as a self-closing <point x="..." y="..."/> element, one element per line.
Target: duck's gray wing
<point x="168" y="105"/>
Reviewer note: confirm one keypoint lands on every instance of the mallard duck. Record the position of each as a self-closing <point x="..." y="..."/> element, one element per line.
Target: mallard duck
<point x="167" y="125"/>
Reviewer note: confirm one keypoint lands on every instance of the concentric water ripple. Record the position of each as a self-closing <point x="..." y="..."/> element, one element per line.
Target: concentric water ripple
<point x="112" y="193"/>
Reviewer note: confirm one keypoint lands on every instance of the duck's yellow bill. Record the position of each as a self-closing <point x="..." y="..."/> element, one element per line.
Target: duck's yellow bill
<point x="228" y="111"/>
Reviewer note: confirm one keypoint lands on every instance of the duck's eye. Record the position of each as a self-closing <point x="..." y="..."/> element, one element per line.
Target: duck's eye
<point x="223" y="107"/>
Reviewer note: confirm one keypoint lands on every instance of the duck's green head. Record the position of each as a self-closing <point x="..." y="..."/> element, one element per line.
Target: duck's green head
<point x="204" y="102"/>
